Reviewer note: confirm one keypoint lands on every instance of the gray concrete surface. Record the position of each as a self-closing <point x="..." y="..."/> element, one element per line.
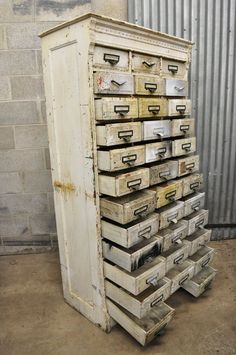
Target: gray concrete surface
<point x="35" y="320"/>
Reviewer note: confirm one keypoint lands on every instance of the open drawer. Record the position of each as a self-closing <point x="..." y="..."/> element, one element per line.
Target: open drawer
<point x="193" y="203"/>
<point x="170" y="214"/>
<point x="179" y="274"/>
<point x="175" y="255"/>
<point x="201" y="258"/>
<point x="200" y="282"/>
<point x="196" y="220"/>
<point x="197" y="240"/>
<point x="172" y="235"/>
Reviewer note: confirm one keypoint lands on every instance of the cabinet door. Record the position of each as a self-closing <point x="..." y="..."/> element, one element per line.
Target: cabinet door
<point x="113" y="83"/>
<point x="145" y="64"/>
<point x="119" y="133"/>
<point x="110" y="58"/>
<point x="152" y="107"/>
<point x="156" y="129"/>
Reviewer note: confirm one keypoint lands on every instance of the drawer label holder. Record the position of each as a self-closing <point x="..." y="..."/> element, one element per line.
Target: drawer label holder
<point x="134" y="184"/>
<point x="121" y="109"/>
<point x="180" y="108"/>
<point x="145" y="233"/>
<point x="126" y="135"/>
<point x="113" y="59"/>
<point x="140" y="211"/>
<point x="154" y="109"/>
<point x="170" y="195"/>
<point x="129" y="159"/>
<point x="173" y="68"/>
<point x="152" y="87"/>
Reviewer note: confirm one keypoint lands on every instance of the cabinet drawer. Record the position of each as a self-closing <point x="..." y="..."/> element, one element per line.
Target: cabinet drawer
<point x="201" y="258"/>
<point x="174" y="69"/>
<point x="156" y="129"/>
<point x="175" y="255"/>
<point x="152" y="107"/>
<point x="128" y="208"/>
<point x="161" y="172"/>
<point x="179" y="107"/>
<point x="119" y="133"/>
<point x="183" y="127"/>
<point x="118" y="159"/>
<point x="174" y="87"/>
<point x="119" y="184"/>
<point x="188" y="165"/>
<point x="132" y="233"/>
<point x="196" y="220"/>
<point x="113" y="83"/>
<point x="148" y="85"/>
<point x="183" y="146"/>
<point x="132" y="258"/>
<point x="200" y="282"/>
<point x="167" y="192"/>
<point x="179" y="274"/>
<point x="193" y="203"/>
<point x="110" y="108"/>
<point x="138" y="280"/>
<point x="146" y="329"/>
<point x="157" y="151"/>
<point x="110" y="58"/>
<point x="172" y="235"/>
<point x="192" y="183"/>
<point x="145" y="64"/>
<point x="197" y="240"/>
<point x="170" y="214"/>
<point x="141" y="304"/>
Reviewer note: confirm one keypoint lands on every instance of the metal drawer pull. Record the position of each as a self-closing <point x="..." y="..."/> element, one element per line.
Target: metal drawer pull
<point x="165" y="174"/>
<point x="145" y="233"/>
<point x="199" y="224"/>
<point x="161" y="152"/>
<point x="172" y="218"/>
<point x="141" y="210"/>
<point x="184" y="128"/>
<point x="126" y="135"/>
<point x="195" y="185"/>
<point x="154" y="109"/>
<point x="205" y="262"/>
<point x="159" y="132"/>
<point x="189" y="166"/>
<point x="153" y="280"/>
<point x="159" y="299"/>
<point x="111" y="58"/>
<point x="117" y="84"/>
<point x="121" y="109"/>
<point x="180" y="108"/>
<point x="185" y="278"/>
<point x="186" y="146"/>
<point x="177" y="88"/>
<point x="129" y="159"/>
<point x="176" y="238"/>
<point x="196" y="206"/>
<point x="151" y="87"/>
<point x="170" y="195"/>
<point x="148" y="64"/>
<point x="173" y="68"/>
<point x="178" y="259"/>
<point x="134" y="184"/>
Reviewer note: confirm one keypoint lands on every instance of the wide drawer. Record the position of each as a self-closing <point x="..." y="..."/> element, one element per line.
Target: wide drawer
<point x="183" y="127"/>
<point x="132" y="233"/>
<point x="174" y="87"/>
<point x="115" y="108"/>
<point x="172" y="235"/>
<point x="138" y="280"/>
<point x="179" y="107"/>
<point x="163" y="171"/>
<point x="196" y="220"/>
<point x="183" y="146"/>
<point x="175" y="255"/>
<point x="179" y="274"/>
<point x="119" y="133"/>
<point x="110" y="58"/>
<point x="113" y="83"/>
<point x="145" y="64"/>
<point x="170" y="214"/>
<point x="141" y="304"/>
<point x="152" y="107"/>
<point x="119" y="184"/>
<point x="123" y="158"/>
<point x="193" y="203"/>
<point x="128" y="208"/>
<point x="156" y="129"/>
<point x="200" y="282"/>
<point x="174" y="69"/>
<point x="146" y="329"/>
<point x="188" y="165"/>
<point x="192" y="183"/>
<point x="197" y="240"/>
<point x="148" y="85"/>
<point x="157" y="151"/>
<point x="167" y="192"/>
<point x="132" y="258"/>
<point x="201" y="258"/>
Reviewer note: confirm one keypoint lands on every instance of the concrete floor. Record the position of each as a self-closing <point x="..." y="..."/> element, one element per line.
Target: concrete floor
<point x="35" y="320"/>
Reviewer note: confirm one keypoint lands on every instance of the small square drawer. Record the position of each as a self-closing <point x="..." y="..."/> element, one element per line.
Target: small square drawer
<point x="192" y="183"/>
<point x="179" y="274"/>
<point x="139" y="305"/>
<point x="132" y="258"/>
<point x="172" y="235"/>
<point x="201" y="258"/>
<point x="174" y="87"/>
<point x="113" y="83"/>
<point x="183" y="127"/>
<point x="156" y="129"/>
<point x="175" y="255"/>
<point x="170" y="214"/>
<point x="128" y="208"/>
<point x="119" y="184"/>
<point x="148" y="85"/>
<point x="110" y="58"/>
<point x="152" y="107"/>
<point x="145" y="64"/>
<point x="200" y="282"/>
<point x="174" y="69"/>
<point x="146" y="329"/>
<point x="167" y="192"/>
<point x="157" y="151"/>
<point x="119" y="133"/>
<point x="123" y="158"/>
<point x="132" y="233"/>
<point x="138" y="280"/>
<point x="197" y="240"/>
<point x="183" y="146"/>
<point x="179" y="107"/>
<point x="163" y="171"/>
<point x="193" y="203"/>
<point x="196" y="220"/>
<point x="115" y="108"/>
<point x="188" y="165"/>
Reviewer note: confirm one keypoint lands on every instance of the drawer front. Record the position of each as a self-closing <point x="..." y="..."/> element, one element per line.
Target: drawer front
<point x="200" y="282"/>
<point x="173" y="69"/>
<point x="172" y="235"/>
<point x="188" y="165"/>
<point x="202" y="258"/>
<point x="156" y="129"/>
<point x="118" y="159"/>
<point x="149" y="107"/>
<point x="197" y="240"/>
<point x="110" y="58"/>
<point x="194" y="203"/>
<point x="148" y="85"/>
<point x="183" y="127"/>
<point x="179" y="274"/>
<point x="132" y="234"/>
<point x="167" y="193"/>
<point x="145" y="64"/>
<point x="183" y="146"/>
<point x="119" y="133"/>
<point x="157" y="151"/>
<point x="175" y="87"/>
<point x="192" y="183"/>
<point x="171" y="214"/>
<point x="113" y="83"/>
<point x="162" y="172"/>
<point x="110" y="108"/>
<point x="179" y="107"/>
<point x="196" y="220"/>
<point x="175" y="256"/>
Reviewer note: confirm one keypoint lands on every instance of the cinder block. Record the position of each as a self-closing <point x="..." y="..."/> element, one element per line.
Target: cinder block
<point x="31" y="136"/>
<point x="10" y="183"/>
<point x="3" y="42"/>
<point x="5" y="91"/>
<point x="55" y="10"/>
<point x="27" y="87"/>
<point x="51" y="202"/>
<point x="6" y="138"/>
<point x="47" y="158"/>
<point x="23" y="203"/>
<point x="21" y="160"/>
<point x="16" y="10"/>
<point x="37" y="181"/>
<point x="17" y="62"/>
<point x="39" y="61"/>
<point x="43" y="224"/>
<point x="14" y="226"/>
<point x="17" y="113"/>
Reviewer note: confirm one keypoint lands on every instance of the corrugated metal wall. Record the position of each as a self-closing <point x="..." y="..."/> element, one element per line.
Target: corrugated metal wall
<point x="211" y="24"/>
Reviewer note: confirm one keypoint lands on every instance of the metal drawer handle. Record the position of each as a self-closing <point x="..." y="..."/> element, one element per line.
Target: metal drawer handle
<point x="177" y="237"/>
<point x="134" y="184"/>
<point x="199" y="224"/>
<point x="178" y="259"/>
<point x="141" y="210"/>
<point x="121" y="109"/>
<point x="117" y="84"/>
<point x="173" y="68"/>
<point x="164" y="174"/>
<point x="180" y="108"/>
<point x="152" y="87"/>
<point x="186" y="146"/>
<point x="172" y="218"/>
<point x="111" y="58"/>
<point x="148" y="64"/>
<point x="153" y="280"/>
<point x="177" y="88"/>
<point x="129" y="159"/>
<point x="170" y="195"/>
<point x="159" y="131"/>
<point x="189" y="166"/>
<point x="126" y="135"/>
<point x="185" y="278"/>
<point x="154" y="109"/>
<point x="205" y="262"/>
<point x="161" y="152"/>
<point x="194" y="185"/>
<point x="145" y="233"/>
<point x="184" y="128"/>
<point x="196" y="206"/>
<point x="156" y="301"/>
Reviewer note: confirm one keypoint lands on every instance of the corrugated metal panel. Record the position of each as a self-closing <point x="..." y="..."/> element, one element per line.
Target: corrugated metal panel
<point x="211" y="25"/>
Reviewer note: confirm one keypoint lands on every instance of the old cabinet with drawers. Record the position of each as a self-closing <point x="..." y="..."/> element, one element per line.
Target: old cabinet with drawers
<point x="127" y="189"/>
